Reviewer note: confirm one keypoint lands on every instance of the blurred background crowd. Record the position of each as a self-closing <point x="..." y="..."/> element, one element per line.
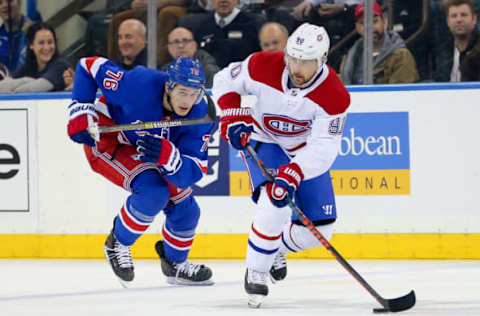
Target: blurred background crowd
<point x="413" y="40"/>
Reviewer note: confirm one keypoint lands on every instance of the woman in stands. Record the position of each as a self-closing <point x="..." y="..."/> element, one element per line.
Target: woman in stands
<point x="43" y="68"/>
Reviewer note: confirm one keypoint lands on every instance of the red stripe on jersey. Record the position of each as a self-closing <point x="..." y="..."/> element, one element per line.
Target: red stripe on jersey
<point x="229" y="101"/>
<point x="331" y="94"/>
<point x="267" y="67"/>
<point x="172" y="240"/>
<point x="130" y="223"/>
<point x="265" y="236"/>
<point x="180" y="196"/>
<point x="258" y="125"/>
<point x="89" y="62"/>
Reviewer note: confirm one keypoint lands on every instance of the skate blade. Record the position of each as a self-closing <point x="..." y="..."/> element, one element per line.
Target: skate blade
<point x="272" y="279"/>
<point x="124" y="284"/>
<point x="255" y="300"/>
<point x="175" y="281"/>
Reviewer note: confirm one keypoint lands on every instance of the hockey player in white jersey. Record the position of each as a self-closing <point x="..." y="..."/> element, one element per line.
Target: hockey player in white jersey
<point x="295" y="127"/>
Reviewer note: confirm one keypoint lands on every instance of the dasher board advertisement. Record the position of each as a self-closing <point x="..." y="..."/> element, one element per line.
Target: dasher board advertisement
<point x="17" y="156"/>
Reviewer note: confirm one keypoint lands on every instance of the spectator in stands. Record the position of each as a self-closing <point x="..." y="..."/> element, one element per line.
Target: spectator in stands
<point x="43" y="67"/>
<point x="132" y="40"/>
<point x="392" y="61"/>
<point x="335" y="7"/>
<point x="273" y="37"/>
<point x="228" y="34"/>
<point x="168" y="14"/>
<point x="461" y="49"/>
<point x="68" y="79"/>
<point x="13" y="42"/>
<point x="182" y="43"/>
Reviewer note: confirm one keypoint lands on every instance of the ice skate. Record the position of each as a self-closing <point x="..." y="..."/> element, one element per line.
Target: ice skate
<point x="278" y="271"/>
<point x="256" y="287"/>
<point x="120" y="259"/>
<point x="184" y="273"/>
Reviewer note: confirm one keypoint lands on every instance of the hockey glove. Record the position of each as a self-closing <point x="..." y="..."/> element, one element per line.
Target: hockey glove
<point x="236" y="125"/>
<point x="82" y="116"/>
<point x="285" y="184"/>
<point x="159" y="151"/>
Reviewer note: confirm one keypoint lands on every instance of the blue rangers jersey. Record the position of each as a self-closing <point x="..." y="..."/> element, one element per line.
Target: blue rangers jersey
<point x="137" y="96"/>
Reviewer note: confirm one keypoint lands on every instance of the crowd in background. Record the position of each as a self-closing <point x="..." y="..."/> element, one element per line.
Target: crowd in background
<point x="217" y="32"/>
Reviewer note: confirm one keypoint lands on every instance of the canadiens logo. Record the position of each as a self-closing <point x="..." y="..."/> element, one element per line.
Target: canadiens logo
<point x="285" y="126"/>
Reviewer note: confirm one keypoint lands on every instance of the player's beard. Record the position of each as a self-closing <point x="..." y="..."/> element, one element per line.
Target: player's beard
<point x="298" y="80"/>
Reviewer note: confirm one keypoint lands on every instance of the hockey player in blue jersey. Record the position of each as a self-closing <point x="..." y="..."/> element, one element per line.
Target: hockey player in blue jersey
<point x="158" y="166"/>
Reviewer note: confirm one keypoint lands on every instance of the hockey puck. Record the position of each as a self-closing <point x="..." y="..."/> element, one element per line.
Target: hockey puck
<point x="380" y="310"/>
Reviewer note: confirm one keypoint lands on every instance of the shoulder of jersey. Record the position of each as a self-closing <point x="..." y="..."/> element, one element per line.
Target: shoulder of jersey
<point x="146" y="80"/>
<point x="331" y="94"/>
<point x="151" y="73"/>
<point x="267" y="68"/>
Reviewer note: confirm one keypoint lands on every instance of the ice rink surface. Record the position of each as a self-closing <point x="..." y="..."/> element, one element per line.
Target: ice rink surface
<point x="313" y="287"/>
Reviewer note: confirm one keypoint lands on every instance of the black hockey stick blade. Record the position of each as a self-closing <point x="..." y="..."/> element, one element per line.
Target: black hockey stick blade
<point x="211" y="116"/>
<point x="397" y="304"/>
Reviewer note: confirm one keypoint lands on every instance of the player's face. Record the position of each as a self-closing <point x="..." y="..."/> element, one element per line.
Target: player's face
<point x="43" y="46"/>
<point x="182" y="99"/>
<point x="14" y="7"/>
<point x="301" y="71"/>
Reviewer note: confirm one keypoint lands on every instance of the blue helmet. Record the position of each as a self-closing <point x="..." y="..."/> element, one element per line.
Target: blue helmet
<point x="187" y="72"/>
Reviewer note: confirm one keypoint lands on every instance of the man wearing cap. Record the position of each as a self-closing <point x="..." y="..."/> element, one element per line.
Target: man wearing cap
<point x="392" y="61"/>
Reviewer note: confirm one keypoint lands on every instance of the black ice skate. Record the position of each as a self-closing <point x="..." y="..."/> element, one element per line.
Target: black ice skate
<point x="120" y="259"/>
<point x="184" y="273"/>
<point x="256" y="287"/>
<point x="278" y="271"/>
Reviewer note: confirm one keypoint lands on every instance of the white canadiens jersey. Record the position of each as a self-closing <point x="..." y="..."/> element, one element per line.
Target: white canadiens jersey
<point x="306" y="123"/>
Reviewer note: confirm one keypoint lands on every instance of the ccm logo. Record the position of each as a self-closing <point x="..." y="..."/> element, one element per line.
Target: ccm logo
<point x="14" y="160"/>
<point x="285" y="126"/>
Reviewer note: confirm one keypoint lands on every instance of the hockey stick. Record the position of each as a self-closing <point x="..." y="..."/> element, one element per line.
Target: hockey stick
<point x="389" y="305"/>
<point x="211" y="116"/>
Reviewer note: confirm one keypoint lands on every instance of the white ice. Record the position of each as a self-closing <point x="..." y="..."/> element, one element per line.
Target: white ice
<point x="313" y="287"/>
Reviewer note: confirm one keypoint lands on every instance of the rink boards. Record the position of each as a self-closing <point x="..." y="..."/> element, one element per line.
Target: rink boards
<point x="406" y="180"/>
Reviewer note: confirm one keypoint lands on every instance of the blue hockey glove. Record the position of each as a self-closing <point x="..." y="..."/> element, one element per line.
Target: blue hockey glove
<point x="161" y="152"/>
<point x="285" y="184"/>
